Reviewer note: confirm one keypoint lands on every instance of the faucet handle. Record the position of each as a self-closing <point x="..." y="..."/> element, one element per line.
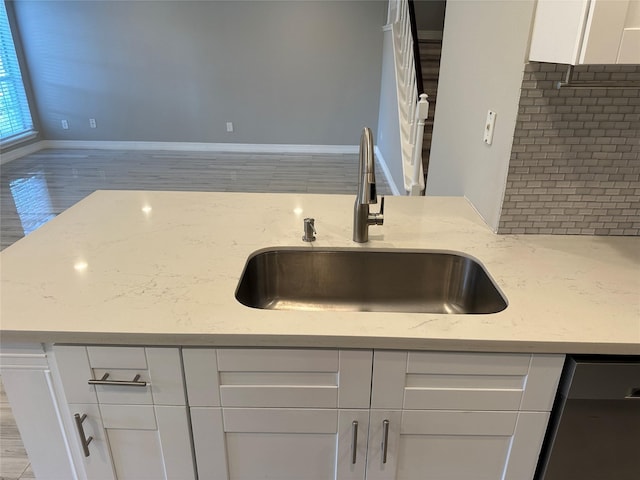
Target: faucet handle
<point x="377" y="218"/>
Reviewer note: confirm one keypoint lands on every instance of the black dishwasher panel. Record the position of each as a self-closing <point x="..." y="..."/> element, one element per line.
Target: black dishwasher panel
<point x="594" y="431"/>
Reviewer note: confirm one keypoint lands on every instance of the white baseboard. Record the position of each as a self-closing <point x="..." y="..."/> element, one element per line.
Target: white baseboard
<point x="387" y="174"/>
<point x="204" y="147"/>
<point x="22" y="151"/>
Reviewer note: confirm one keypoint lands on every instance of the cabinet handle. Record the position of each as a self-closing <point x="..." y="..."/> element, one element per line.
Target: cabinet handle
<point x="83" y="438"/>
<point x="354" y="441"/>
<point x="385" y="439"/>
<point x="136" y="382"/>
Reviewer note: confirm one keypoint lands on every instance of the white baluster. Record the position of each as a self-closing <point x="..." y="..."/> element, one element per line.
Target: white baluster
<point x="422" y="114"/>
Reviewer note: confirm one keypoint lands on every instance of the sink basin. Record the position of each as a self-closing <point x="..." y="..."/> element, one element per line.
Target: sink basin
<point x="363" y="280"/>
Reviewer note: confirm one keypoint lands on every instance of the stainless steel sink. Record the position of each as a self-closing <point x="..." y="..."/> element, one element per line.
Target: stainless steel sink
<point x="415" y="281"/>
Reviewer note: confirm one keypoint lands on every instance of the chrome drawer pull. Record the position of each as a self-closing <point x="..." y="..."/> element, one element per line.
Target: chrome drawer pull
<point x="385" y="439"/>
<point x="84" y="441"/>
<point x="354" y="441"/>
<point x="122" y="383"/>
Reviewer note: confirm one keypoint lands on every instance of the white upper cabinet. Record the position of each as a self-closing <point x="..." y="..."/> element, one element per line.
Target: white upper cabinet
<point x="630" y="43"/>
<point x="586" y="32"/>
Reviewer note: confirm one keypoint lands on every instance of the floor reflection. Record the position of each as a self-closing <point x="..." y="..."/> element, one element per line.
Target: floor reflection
<point x="32" y="201"/>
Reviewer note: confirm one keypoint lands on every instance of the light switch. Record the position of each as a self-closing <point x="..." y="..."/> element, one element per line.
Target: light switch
<point x="489" y="127"/>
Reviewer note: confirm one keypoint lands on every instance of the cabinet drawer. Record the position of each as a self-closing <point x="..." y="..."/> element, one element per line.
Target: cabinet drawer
<point x="138" y="376"/>
<point x="277" y="360"/>
<point x="464" y="381"/>
<point x="264" y="378"/>
<point x="117" y="357"/>
<point x="462" y="363"/>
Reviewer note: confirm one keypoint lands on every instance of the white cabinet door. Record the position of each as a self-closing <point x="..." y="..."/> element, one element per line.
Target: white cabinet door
<point x="453" y="445"/>
<point x="603" y="31"/>
<point x="630" y="43"/>
<point x="586" y="32"/>
<point x="558" y="27"/>
<point x="29" y="387"/>
<point x="97" y="465"/>
<point x="284" y="444"/>
<point x="135" y="442"/>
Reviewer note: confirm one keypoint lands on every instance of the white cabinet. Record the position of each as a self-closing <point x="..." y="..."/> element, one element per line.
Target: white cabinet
<point x="438" y="415"/>
<point x="289" y="414"/>
<point x="630" y="43"/>
<point x="29" y="386"/>
<point x="136" y="415"/>
<point x="586" y="32"/>
<point x="279" y="413"/>
<point x="454" y="444"/>
<point x="282" y="443"/>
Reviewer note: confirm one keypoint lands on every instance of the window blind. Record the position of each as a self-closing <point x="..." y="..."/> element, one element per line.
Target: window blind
<point x="15" y="117"/>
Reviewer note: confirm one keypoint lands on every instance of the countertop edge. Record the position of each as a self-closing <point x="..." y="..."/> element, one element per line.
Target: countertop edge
<point x="320" y="341"/>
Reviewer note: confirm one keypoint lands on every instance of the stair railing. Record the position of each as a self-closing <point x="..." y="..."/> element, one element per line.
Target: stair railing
<point x="412" y="106"/>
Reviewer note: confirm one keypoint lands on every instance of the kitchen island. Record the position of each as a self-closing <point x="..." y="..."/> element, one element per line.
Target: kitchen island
<point x="126" y="355"/>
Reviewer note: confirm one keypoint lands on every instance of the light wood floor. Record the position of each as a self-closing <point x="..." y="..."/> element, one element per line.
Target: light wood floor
<point x="36" y="188"/>
<point x="14" y="463"/>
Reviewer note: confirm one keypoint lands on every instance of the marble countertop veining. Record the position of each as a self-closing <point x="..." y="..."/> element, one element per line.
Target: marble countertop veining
<point x="161" y="268"/>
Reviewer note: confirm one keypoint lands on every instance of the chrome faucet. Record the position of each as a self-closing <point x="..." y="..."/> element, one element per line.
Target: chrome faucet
<point x="366" y="191"/>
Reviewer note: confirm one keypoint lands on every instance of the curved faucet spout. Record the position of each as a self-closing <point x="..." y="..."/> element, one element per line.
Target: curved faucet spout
<point x="366" y="191"/>
<point x="366" y="174"/>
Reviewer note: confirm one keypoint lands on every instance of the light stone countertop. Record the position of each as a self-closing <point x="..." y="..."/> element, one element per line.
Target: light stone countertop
<point x="161" y="268"/>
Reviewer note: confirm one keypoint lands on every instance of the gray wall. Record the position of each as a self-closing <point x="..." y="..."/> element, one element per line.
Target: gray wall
<point x="483" y="52"/>
<point x="575" y="162"/>
<point x="388" y="140"/>
<point x="304" y="72"/>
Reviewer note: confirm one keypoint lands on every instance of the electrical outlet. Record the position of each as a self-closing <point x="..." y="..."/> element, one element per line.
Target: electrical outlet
<point x="229" y="127"/>
<point x="92" y="123"/>
<point x="65" y="124"/>
<point x="489" y="126"/>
